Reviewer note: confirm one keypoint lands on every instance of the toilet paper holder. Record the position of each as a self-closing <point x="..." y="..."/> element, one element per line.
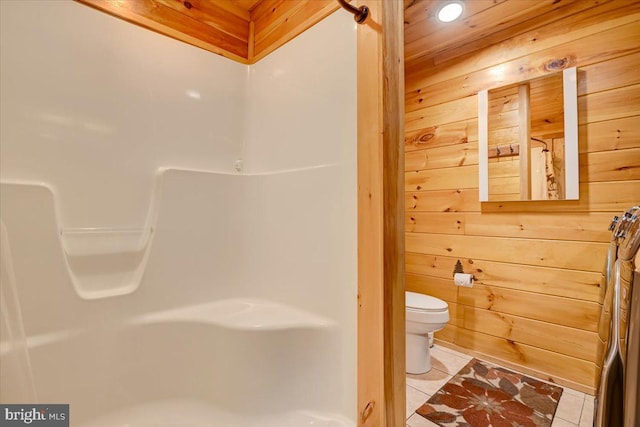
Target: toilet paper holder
<point x="460" y="278"/>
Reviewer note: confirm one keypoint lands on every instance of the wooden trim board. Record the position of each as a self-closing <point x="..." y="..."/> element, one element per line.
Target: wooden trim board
<point x="370" y="281"/>
<point x="393" y="210"/>
<point x="381" y="329"/>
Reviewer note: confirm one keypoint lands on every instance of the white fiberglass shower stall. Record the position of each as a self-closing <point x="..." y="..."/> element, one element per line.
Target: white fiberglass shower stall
<point x="178" y="230"/>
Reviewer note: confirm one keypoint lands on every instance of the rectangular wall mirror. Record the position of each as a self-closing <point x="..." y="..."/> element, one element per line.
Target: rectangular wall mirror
<point x="528" y="139"/>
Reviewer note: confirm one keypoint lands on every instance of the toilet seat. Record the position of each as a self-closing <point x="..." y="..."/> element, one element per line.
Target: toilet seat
<point x="420" y="302"/>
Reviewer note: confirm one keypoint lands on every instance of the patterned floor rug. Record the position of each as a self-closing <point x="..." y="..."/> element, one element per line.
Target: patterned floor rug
<point x="483" y="395"/>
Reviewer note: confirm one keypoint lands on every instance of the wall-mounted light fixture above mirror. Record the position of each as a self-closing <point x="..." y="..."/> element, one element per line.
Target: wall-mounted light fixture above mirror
<point x="528" y="139"/>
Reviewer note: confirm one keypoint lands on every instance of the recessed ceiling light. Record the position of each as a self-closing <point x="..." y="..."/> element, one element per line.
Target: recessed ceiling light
<point x="450" y="12"/>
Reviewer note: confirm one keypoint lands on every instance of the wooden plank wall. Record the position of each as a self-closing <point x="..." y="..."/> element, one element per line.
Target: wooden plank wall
<point x="537" y="299"/>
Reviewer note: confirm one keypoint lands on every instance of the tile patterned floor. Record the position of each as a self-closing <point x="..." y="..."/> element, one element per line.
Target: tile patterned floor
<point x="575" y="408"/>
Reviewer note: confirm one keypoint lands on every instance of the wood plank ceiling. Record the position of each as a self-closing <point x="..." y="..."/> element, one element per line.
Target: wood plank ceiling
<point x="429" y="42"/>
<point x="242" y="30"/>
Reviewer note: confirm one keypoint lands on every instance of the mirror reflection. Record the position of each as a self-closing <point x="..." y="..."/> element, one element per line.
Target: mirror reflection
<point x="526" y="151"/>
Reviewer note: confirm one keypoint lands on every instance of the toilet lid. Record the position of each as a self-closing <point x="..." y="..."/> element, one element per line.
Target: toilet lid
<point x="424" y="302"/>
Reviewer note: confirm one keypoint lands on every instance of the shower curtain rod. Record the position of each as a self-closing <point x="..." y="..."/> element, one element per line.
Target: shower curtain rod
<point x="539" y="140"/>
<point x="359" y="14"/>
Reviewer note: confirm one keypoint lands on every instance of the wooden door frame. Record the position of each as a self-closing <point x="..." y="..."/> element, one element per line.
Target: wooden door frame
<point x="381" y="302"/>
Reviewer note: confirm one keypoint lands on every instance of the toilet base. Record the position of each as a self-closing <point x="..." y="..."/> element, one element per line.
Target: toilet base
<point x="418" y="354"/>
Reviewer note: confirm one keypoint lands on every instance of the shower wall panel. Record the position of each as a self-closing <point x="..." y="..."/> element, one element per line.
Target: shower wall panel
<point x="108" y="128"/>
<point x="302" y="109"/>
<point x="301" y="119"/>
<point x="93" y="106"/>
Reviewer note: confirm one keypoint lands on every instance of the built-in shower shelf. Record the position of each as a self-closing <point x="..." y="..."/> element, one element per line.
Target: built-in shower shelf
<point x="104" y="241"/>
<point x="241" y="314"/>
<point x="106" y="262"/>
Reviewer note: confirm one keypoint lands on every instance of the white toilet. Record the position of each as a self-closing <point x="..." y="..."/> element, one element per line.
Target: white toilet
<point x="424" y="314"/>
